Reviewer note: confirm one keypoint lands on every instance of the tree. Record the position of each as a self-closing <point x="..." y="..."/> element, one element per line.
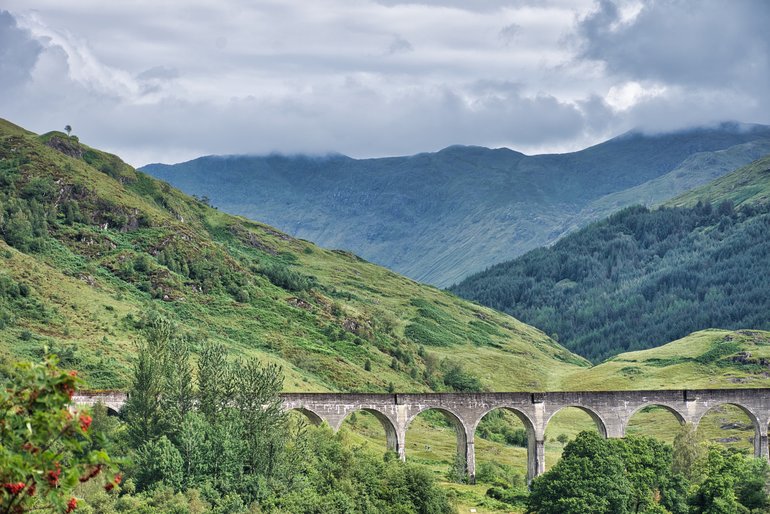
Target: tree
<point x="68" y="129"/>
<point x="45" y="450"/>
<point x="589" y="478"/>
<point x="689" y="453"/>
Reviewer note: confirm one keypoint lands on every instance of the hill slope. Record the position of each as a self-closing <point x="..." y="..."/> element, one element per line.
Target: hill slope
<point x="437" y="217"/>
<point x="701" y="360"/>
<point x="89" y="246"/>
<point x="642" y="278"/>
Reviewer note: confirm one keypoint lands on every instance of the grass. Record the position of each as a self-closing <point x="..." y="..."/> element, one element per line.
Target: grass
<point x="701" y="360"/>
<point x="749" y="184"/>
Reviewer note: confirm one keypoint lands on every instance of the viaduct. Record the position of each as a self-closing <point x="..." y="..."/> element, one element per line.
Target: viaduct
<point x="610" y="410"/>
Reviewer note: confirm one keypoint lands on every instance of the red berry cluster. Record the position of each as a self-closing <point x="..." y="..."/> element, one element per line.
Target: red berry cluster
<point x="67" y="389"/>
<point x="91" y="474"/>
<point x="85" y="422"/>
<point x="53" y="475"/>
<point x="71" y="505"/>
<point x="109" y="486"/>
<point x="14" y="488"/>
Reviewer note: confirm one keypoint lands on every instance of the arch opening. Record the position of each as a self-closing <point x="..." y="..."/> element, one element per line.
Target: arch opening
<point x="367" y="426"/>
<point x="436" y="438"/>
<point x="308" y="415"/>
<point x="731" y="425"/>
<point x="503" y="437"/>
<point x="564" y="425"/>
<point x="661" y="422"/>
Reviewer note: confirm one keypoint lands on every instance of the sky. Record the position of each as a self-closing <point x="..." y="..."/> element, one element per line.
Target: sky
<point x="168" y="81"/>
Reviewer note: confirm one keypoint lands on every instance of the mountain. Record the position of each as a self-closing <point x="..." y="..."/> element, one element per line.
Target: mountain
<point x="641" y="277"/>
<point x="90" y="248"/>
<point x="438" y="217"/>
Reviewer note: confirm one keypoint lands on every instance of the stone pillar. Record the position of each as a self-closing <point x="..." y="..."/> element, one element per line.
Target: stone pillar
<point x="760" y="444"/>
<point x="470" y="460"/>
<point x="401" y="444"/>
<point x="535" y="458"/>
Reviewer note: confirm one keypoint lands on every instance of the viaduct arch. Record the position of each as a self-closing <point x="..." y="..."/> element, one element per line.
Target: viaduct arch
<point x="611" y="410"/>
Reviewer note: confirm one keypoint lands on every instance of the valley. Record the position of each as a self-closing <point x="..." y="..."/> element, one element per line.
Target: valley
<point x="102" y="248"/>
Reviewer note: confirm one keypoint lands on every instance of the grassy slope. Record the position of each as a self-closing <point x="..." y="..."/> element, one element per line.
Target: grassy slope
<point x="90" y="285"/>
<point x="749" y="184"/>
<point x="704" y="359"/>
<point x="696" y="171"/>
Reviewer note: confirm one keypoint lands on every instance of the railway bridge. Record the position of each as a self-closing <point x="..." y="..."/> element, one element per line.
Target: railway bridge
<point x="610" y="410"/>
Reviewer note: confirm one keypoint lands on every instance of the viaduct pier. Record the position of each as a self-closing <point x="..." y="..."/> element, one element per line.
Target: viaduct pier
<point x="610" y="410"/>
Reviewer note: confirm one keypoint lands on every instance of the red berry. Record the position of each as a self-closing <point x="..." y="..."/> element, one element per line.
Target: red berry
<point x="14" y="488"/>
<point x="71" y="505"/>
<point x="53" y="476"/>
<point x="85" y="422"/>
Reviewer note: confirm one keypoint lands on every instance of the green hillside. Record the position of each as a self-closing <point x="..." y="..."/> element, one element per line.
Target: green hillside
<point x="697" y="170"/>
<point x="701" y="360"/>
<point x="644" y="277"/>
<point x="747" y="185"/>
<point x="90" y="247"/>
<point x="438" y="217"/>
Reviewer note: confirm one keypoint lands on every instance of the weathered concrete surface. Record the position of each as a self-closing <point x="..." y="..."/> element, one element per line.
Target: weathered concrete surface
<point x="611" y="410"/>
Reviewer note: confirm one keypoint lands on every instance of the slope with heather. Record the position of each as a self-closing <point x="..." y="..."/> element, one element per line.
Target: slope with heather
<point x="90" y="246"/>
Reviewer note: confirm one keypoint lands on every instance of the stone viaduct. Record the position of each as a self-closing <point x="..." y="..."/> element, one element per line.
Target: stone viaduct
<point x="610" y="410"/>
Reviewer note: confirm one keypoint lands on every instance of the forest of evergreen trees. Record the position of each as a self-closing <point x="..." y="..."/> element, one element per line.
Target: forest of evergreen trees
<point x="640" y="278"/>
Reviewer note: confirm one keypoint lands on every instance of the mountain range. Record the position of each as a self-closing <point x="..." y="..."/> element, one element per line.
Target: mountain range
<point x="439" y="217"/>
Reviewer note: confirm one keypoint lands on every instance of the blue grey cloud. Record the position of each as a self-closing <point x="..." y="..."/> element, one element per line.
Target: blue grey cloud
<point x="18" y="53"/>
<point x="694" y="43"/>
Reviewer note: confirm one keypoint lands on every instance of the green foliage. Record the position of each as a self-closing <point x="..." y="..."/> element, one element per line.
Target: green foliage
<point x="46" y="449"/>
<point x="610" y="476"/>
<point x="642" y="278"/>
<point x="285" y="277"/>
<point x="456" y="378"/>
<point x="589" y="478"/>
<point x="234" y="451"/>
<point x="732" y="483"/>
<point x="496" y="426"/>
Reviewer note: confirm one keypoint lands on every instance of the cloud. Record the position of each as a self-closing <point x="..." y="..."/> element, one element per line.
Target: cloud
<point x="18" y="53"/>
<point x="696" y="43"/>
<point x="508" y="33"/>
<point x="159" y="73"/>
<point x="400" y="45"/>
<point x="173" y="80"/>
<point x="682" y="62"/>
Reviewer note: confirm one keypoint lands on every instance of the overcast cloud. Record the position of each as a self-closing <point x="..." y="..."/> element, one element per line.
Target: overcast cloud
<point x="169" y="81"/>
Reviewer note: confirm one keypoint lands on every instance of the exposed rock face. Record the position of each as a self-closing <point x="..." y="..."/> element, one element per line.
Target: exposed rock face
<point x="66" y="146"/>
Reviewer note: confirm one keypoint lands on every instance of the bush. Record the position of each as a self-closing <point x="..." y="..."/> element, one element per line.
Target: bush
<point x="286" y="278"/>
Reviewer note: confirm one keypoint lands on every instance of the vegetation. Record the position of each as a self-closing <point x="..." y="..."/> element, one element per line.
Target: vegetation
<point x="210" y="436"/>
<point x="88" y="245"/>
<point x="96" y="256"/>
<point x="638" y="475"/>
<point x="438" y="217"/>
<point x="641" y="278"/>
<point x="46" y="449"/>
